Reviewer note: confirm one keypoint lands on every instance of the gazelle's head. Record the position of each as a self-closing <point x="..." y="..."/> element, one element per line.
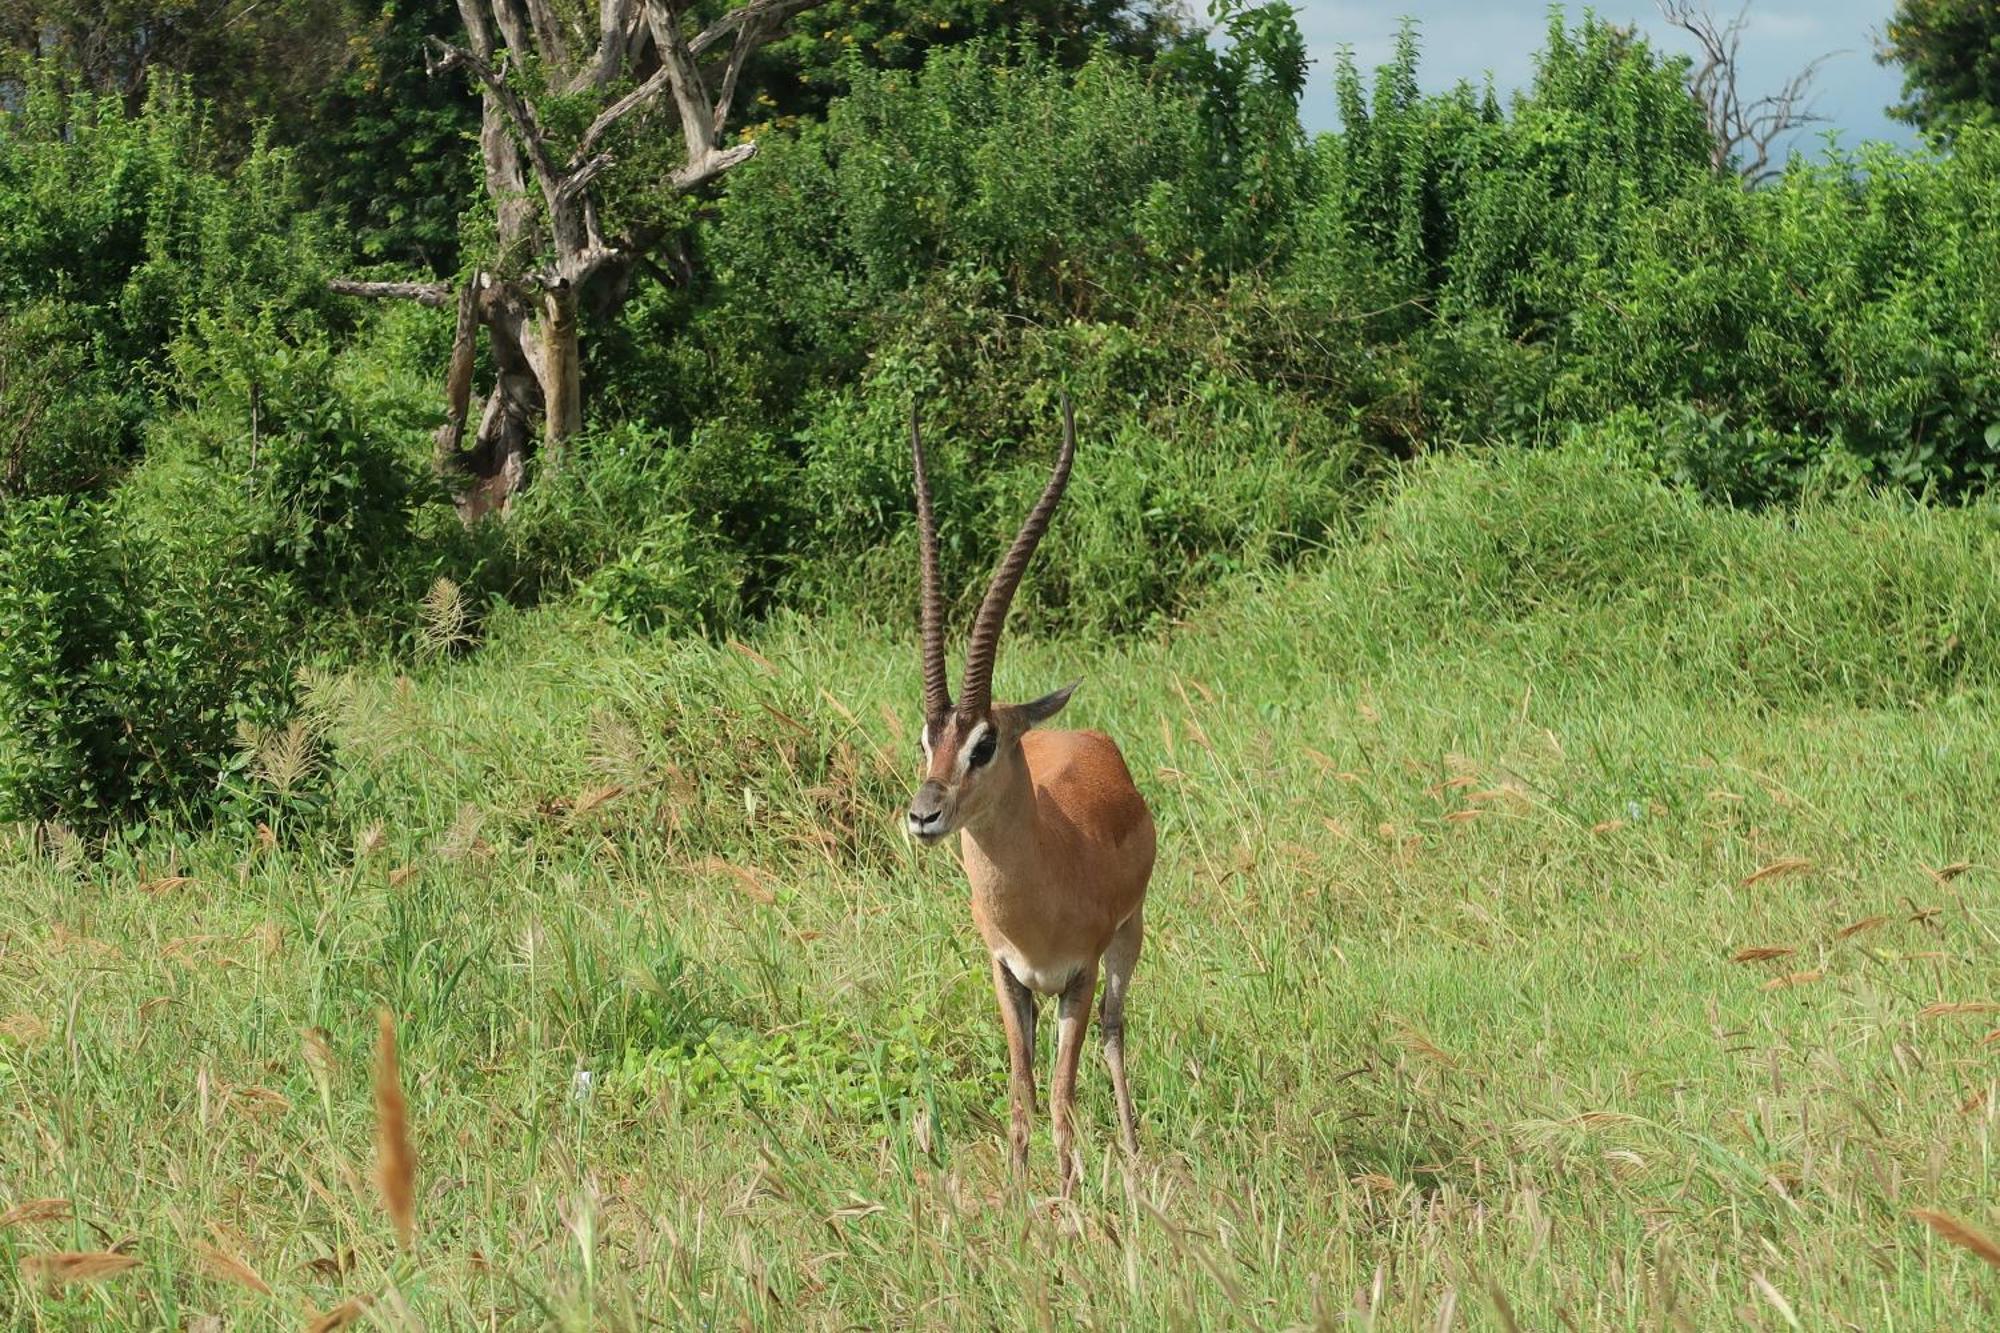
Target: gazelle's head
<point x="973" y="746"/>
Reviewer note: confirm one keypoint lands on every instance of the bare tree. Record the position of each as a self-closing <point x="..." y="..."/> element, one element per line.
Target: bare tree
<point x="552" y="241"/>
<point x="1744" y="133"/>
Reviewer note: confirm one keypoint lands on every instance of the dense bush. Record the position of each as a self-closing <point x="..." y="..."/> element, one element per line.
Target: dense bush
<point x="123" y="679"/>
<point x="130" y="224"/>
<point x="61" y="420"/>
<point x="1845" y="312"/>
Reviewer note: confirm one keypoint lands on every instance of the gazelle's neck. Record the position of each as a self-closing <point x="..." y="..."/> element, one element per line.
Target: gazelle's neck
<point x="1003" y="837"/>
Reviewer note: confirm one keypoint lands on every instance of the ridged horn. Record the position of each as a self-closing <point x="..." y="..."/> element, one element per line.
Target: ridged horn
<point x="979" y="654"/>
<point x="937" y="684"/>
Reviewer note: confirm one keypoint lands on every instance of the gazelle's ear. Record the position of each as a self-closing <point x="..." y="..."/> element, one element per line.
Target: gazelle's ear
<point x="1046" y="707"/>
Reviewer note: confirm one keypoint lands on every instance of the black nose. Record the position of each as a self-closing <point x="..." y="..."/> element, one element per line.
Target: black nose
<point x="927" y="807"/>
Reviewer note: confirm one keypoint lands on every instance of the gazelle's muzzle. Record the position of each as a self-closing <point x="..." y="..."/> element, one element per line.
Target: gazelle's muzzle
<point x="930" y="812"/>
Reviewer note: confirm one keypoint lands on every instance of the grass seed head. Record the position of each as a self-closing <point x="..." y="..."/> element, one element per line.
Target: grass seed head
<point x="1960" y="1233"/>
<point x="35" y="1210"/>
<point x="62" y="1267"/>
<point x="395" y="1160"/>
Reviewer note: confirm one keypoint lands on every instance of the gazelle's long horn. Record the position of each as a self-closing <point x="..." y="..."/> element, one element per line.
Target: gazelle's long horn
<point x="985" y="643"/>
<point x="937" y="685"/>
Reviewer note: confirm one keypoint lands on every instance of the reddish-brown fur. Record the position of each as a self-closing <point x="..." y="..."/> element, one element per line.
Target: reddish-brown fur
<point x="1058" y="847"/>
<point x="1066" y="852"/>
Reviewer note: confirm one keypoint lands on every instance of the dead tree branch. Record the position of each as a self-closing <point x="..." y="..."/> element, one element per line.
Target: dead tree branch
<point x="432" y="294"/>
<point x="1744" y="134"/>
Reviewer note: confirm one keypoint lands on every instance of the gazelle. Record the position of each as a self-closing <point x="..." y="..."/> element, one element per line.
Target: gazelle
<point x="1057" y="842"/>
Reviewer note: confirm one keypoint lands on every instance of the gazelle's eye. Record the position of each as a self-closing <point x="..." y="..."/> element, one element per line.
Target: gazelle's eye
<point x="982" y="753"/>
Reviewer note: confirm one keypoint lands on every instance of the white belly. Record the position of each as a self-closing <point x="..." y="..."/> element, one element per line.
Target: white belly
<point x="1044" y="976"/>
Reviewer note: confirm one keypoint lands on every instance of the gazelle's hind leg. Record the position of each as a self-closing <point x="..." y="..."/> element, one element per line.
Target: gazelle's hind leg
<point x="1017" y="1015"/>
<point x="1119" y="960"/>
<point x="1073" y="1018"/>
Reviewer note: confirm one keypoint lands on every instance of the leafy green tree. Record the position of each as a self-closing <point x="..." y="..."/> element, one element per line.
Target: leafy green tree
<point x="795" y="76"/>
<point x="248" y="61"/>
<point x="1950" y="54"/>
<point x="386" y="148"/>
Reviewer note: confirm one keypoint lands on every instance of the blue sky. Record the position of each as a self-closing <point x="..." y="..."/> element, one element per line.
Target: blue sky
<point x="1468" y="38"/>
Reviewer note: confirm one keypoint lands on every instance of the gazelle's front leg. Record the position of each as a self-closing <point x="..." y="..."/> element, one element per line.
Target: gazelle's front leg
<point x="1073" y="1022"/>
<point x="1017" y="1015"/>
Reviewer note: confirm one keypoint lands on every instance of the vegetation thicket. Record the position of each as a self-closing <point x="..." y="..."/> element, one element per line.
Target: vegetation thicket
<point x="1545" y="588"/>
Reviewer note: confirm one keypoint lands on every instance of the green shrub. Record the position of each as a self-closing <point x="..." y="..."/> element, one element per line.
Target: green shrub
<point x="122" y="677"/>
<point x="64" y="424"/>
<point x="673" y="575"/>
<point x="61" y="738"/>
<point x="282" y="461"/>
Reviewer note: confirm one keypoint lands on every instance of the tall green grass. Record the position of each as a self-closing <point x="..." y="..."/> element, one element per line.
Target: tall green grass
<point x="1461" y="830"/>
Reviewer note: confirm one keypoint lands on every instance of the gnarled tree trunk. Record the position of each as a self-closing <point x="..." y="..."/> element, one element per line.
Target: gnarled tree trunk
<point x="551" y="244"/>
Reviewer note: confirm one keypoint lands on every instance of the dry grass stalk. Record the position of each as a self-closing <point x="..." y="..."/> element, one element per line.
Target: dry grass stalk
<point x="1415" y="1041"/>
<point x="340" y="1316"/>
<point x="1946" y="874"/>
<point x="745" y="650"/>
<point x="165" y="884"/>
<point x="1758" y="953"/>
<point x="1865" y="923"/>
<point x="1794" y="979"/>
<point x="61" y="1267"/>
<point x="1960" y="1233"/>
<point x="747" y="878"/>
<point x="27" y="1029"/>
<point x="1945" y="1009"/>
<point x="227" y="1267"/>
<point x="1784" y="865"/>
<point x="318" y="1046"/>
<point x="1776" y="1299"/>
<point x="35" y="1210"/>
<point x="594" y="798"/>
<point x="442" y="627"/>
<point x="395" y="1160"/>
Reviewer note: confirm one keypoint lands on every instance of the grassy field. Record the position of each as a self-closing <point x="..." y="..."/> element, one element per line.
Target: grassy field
<point x="1452" y="1013"/>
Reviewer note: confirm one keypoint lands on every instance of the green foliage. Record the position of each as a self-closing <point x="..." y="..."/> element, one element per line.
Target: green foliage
<point x="63" y="423"/>
<point x="1950" y="54"/>
<point x="387" y="148"/>
<point x="124" y="676"/>
<point x="796" y="77"/>
<point x="60" y="739"/>
<point x="1844" y="313"/>
<point x="248" y="63"/>
<point x="672" y="575"/>
<point x="322" y="478"/>
<point x="129" y="221"/>
<point x="1474" y="209"/>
